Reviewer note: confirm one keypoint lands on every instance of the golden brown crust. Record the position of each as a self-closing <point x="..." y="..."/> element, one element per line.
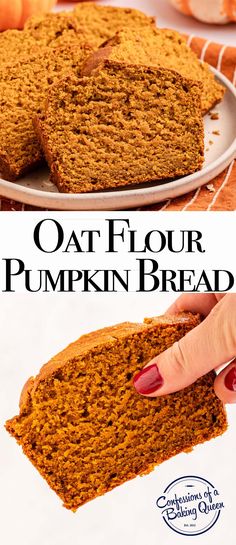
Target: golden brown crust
<point x="96" y="61"/>
<point x="26" y="393"/>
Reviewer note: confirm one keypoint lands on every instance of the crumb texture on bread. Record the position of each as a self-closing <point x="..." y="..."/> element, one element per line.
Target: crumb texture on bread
<point x="23" y="90"/>
<point x="153" y="46"/>
<point x="85" y="428"/>
<point x="100" y="23"/>
<point x="48" y="30"/>
<point x="31" y="60"/>
<point x="25" y="78"/>
<point x="123" y="125"/>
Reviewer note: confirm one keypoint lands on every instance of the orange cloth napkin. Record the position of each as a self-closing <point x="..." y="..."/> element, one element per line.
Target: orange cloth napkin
<point x="221" y="194"/>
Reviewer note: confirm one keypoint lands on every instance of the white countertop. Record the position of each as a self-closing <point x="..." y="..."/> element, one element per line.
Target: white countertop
<point x="169" y="17"/>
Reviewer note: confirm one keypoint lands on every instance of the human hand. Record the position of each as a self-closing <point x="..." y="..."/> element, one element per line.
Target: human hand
<point x="208" y="346"/>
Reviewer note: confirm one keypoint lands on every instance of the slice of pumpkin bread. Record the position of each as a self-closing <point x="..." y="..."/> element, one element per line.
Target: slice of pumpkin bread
<point x="55" y="28"/>
<point x="52" y="30"/>
<point x="23" y="89"/>
<point x="162" y="47"/>
<point x="102" y="22"/>
<point x="121" y="125"/>
<point x="93" y="26"/>
<point x="86" y="429"/>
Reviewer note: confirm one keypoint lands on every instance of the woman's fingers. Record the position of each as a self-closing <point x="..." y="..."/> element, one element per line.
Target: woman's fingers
<point x="225" y="383"/>
<point x="207" y="346"/>
<point x="195" y="302"/>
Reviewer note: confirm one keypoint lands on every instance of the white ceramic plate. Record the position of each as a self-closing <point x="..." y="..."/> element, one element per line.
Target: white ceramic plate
<point x="36" y="189"/>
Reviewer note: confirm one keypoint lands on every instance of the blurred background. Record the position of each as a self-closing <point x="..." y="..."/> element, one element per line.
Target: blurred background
<point x="168" y="16"/>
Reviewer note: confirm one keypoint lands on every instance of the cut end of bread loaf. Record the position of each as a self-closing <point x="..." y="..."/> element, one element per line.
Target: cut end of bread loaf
<point x="124" y="125"/>
<point x="86" y="429"/>
<point x="153" y="46"/>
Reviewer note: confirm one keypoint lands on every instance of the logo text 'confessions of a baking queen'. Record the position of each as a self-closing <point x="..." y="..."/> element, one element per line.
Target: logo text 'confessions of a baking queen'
<point x="190" y="505"/>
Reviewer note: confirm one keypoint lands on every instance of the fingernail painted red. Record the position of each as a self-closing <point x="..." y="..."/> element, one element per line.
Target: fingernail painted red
<point x="230" y="380"/>
<point x="148" y="380"/>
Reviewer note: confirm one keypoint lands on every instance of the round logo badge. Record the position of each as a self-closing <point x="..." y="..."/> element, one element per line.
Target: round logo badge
<point x="190" y="505"/>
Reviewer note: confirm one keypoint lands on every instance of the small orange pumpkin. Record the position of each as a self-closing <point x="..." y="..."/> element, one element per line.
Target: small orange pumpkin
<point x="13" y="13"/>
<point x="208" y="11"/>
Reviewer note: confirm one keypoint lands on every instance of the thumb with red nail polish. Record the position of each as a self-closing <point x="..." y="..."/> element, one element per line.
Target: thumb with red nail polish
<point x="149" y="380"/>
<point x="208" y="346"/>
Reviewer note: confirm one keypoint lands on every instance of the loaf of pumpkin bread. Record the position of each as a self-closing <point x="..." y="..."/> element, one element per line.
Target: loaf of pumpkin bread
<point x="86" y="429"/>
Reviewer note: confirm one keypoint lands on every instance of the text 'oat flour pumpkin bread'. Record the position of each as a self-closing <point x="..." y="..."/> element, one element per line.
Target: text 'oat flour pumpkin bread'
<point x="86" y="429"/>
<point x="23" y="88"/>
<point x="122" y="125"/>
<point x="167" y="48"/>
